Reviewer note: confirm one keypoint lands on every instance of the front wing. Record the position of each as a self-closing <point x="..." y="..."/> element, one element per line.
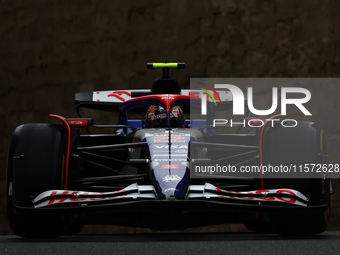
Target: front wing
<point x="205" y="197"/>
<point x="147" y="192"/>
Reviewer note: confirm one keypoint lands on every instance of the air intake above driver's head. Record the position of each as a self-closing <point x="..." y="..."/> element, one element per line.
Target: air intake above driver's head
<point x="166" y="86"/>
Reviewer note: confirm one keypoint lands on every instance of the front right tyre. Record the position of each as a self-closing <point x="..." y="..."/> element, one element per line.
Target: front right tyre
<point x="36" y="162"/>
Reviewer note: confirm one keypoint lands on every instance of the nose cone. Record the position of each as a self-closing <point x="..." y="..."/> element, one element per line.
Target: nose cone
<point x="171" y="198"/>
<point x="169" y="156"/>
<point x="169" y="187"/>
<point x="174" y="183"/>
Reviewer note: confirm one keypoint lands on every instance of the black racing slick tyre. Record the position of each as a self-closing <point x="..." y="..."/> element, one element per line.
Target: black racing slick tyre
<point x="303" y="144"/>
<point x="36" y="162"/>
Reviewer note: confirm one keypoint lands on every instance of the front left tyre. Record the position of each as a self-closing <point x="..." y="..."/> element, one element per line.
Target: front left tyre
<point x="303" y="144"/>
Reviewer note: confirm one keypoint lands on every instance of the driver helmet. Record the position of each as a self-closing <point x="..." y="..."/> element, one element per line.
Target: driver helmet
<point x="156" y="117"/>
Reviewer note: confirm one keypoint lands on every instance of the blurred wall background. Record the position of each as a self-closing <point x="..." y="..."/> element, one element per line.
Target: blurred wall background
<point x="50" y="50"/>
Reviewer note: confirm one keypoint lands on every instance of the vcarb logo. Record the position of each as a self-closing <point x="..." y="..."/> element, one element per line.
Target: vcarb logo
<point x="238" y="100"/>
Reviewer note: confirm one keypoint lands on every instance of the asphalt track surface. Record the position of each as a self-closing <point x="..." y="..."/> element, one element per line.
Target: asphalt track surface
<point x="200" y="243"/>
